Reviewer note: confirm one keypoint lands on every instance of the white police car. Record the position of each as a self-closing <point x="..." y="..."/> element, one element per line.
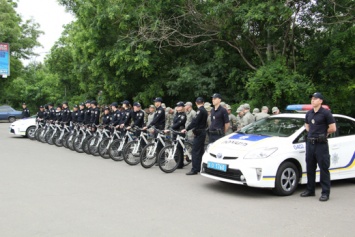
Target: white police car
<point x="270" y="153"/>
<point x="24" y="127"/>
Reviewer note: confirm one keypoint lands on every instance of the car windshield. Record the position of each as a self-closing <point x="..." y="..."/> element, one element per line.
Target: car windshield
<point x="279" y="127"/>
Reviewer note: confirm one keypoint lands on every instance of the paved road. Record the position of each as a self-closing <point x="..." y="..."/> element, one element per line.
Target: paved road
<point x="51" y="191"/>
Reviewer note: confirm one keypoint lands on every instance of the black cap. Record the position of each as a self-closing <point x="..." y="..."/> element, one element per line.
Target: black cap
<point x="65" y="103"/>
<point x="125" y="102"/>
<point x="41" y="106"/>
<point x="180" y="103"/>
<point x="107" y="108"/>
<point x="158" y="99"/>
<point x="59" y="106"/>
<point x="23" y="103"/>
<point x="317" y="95"/>
<point x="93" y="102"/>
<point x="137" y="104"/>
<point x="114" y="104"/>
<point x="200" y="100"/>
<point x="75" y="106"/>
<point x="50" y="104"/>
<point x="216" y="95"/>
<point x="82" y="104"/>
<point x="88" y="102"/>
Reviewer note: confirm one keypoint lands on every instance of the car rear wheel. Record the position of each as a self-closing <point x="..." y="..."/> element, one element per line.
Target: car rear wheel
<point x="12" y="119"/>
<point x="287" y="179"/>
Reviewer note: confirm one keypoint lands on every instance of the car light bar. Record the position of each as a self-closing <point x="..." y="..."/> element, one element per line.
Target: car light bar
<point x="303" y="107"/>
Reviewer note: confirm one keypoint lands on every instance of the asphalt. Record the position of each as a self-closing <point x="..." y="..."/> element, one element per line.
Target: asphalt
<point x="51" y="191"/>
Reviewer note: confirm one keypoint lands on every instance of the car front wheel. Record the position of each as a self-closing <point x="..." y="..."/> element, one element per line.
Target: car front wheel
<point x="287" y="179"/>
<point x="30" y="132"/>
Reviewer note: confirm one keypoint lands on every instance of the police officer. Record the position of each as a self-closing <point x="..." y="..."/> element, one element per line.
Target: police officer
<point x="219" y="119"/>
<point x="87" y="116"/>
<point x="126" y="114"/>
<point x="40" y="116"/>
<point x="95" y="113"/>
<point x="58" y="114"/>
<point x="66" y="114"/>
<point x="106" y="117"/>
<point x="179" y="122"/>
<point x="75" y="114"/>
<point x="138" y="115"/>
<point x="25" y="111"/>
<point x="51" y="112"/>
<point x="159" y="115"/>
<point x="81" y="113"/>
<point x="319" y="123"/>
<point x="198" y="127"/>
<point x="116" y="115"/>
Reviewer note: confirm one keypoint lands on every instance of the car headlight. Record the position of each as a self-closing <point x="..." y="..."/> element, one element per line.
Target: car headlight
<point x="260" y="153"/>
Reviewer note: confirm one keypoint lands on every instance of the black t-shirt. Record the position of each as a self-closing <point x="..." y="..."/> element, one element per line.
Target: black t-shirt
<point x="200" y="120"/>
<point x="318" y="122"/>
<point x="219" y="118"/>
<point x="159" y="119"/>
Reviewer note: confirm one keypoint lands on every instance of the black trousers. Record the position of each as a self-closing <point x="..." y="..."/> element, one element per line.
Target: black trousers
<point x="198" y="148"/>
<point x="214" y="137"/>
<point x="318" y="153"/>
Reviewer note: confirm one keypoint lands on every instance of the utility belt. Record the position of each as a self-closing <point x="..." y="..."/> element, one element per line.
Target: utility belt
<point x="197" y="132"/>
<point x="216" y="132"/>
<point x="321" y="139"/>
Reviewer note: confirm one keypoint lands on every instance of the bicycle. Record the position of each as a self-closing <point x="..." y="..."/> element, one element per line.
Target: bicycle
<point x="107" y="141"/>
<point x="94" y="142"/>
<point x="132" y="150"/>
<point x="149" y="153"/>
<point x="115" y="150"/>
<point x="169" y="157"/>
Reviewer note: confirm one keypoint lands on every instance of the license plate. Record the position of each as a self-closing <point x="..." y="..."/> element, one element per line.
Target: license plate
<point x="217" y="166"/>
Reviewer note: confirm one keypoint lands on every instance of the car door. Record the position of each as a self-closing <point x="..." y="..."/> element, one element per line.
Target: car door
<point x="342" y="149"/>
<point x="3" y="114"/>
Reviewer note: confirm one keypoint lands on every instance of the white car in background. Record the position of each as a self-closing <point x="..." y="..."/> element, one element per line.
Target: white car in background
<point x="24" y="127"/>
<point x="270" y="153"/>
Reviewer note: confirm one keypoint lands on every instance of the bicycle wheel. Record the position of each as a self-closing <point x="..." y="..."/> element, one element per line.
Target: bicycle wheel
<point x="168" y="159"/>
<point x="94" y="146"/>
<point x="114" y="151"/>
<point x="78" y="143"/>
<point x="65" y="139"/>
<point x="57" y="141"/>
<point x="37" y="133"/>
<point x="131" y="153"/>
<point x="70" y="142"/>
<point x="187" y="156"/>
<point x="103" y="148"/>
<point x="42" y="136"/>
<point x="86" y="144"/>
<point x="48" y="137"/>
<point x="148" y="156"/>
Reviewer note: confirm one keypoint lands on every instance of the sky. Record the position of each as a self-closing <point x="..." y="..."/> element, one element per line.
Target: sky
<point x="51" y="16"/>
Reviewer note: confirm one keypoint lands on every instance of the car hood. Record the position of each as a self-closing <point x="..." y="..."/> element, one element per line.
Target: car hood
<point x="24" y="121"/>
<point x="238" y="144"/>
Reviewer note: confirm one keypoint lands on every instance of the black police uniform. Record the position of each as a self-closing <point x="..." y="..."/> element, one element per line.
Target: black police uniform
<point x="81" y="116"/>
<point x="106" y="119"/>
<point x="219" y="118"/>
<point x="75" y="116"/>
<point x="199" y="125"/>
<point x="25" y="113"/>
<point x="66" y="116"/>
<point x="138" y="118"/>
<point x="116" y="118"/>
<point x="52" y="114"/>
<point x="58" y="116"/>
<point x="317" y="149"/>
<point x="87" y="116"/>
<point x="179" y="122"/>
<point x="159" y="122"/>
<point x="40" y="116"/>
<point x="95" y="116"/>
<point x="126" y="118"/>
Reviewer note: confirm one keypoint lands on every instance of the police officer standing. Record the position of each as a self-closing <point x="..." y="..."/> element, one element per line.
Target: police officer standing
<point x="81" y="113"/>
<point x="219" y="119"/>
<point x="106" y="117"/>
<point x="198" y="127"/>
<point x="75" y="114"/>
<point x="179" y="122"/>
<point x="116" y="115"/>
<point x="319" y="123"/>
<point x="40" y="116"/>
<point x="66" y="114"/>
<point x="126" y="114"/>
<point x="87" y="116"/>
<point x="95" y="114"/>
<point x="25" y="111"/>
